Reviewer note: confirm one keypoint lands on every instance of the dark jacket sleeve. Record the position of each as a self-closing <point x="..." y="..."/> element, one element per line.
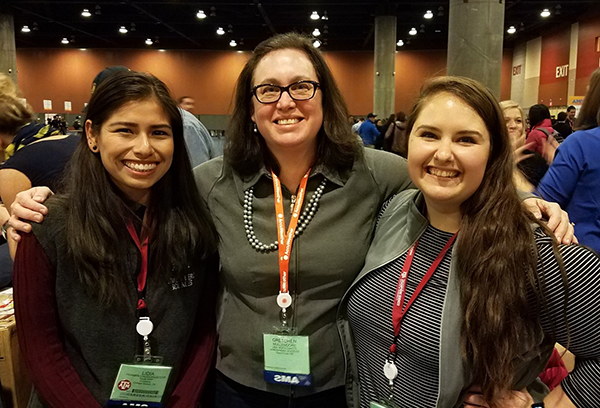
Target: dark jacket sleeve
<point x="52" y="373"/>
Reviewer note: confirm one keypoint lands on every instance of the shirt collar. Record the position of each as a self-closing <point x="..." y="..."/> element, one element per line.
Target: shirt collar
<point x="331" y="175"/>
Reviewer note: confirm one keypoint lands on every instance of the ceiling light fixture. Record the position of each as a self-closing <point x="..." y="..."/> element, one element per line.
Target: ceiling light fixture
<point x="230" y="29"/>
<point x="316" y="32"/>
<point x="316" y="43"/>
<point x="422" y="29"/>
<point x="98" y="11"/>
<point x="325" y="29"/>
<point x="201" y="14"/>
<point x="545" y="13"/>
<point x="220" y="31"/>
<point x="86" y="13"/>
<point x="213" y="11"/>
<point x="428" y="15"/>
<point x="161" y="50"/>
<point x="413" y="31"/>
<point x="35" y="26"/>
<point x="25" y="29"/>
<point x="325" y="16"/>
<point x="149" y="41"/>
<point x="123" y="30"/>
<point x="64" y="40"/>
<point x="132" y="29"/>
<point x="511" y="30"/>
<point x="232" y="43"/>
<point x="82" y="49"/>
<point x="314" y="16"/>
<point x="400" y="43"/>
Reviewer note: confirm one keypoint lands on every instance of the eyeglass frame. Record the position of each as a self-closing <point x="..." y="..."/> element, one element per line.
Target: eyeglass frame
<point x="283" y="89"/>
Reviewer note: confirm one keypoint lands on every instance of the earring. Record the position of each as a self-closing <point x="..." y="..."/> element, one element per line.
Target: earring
<point x="94" y="148"/>
<point x="255" y="128"/>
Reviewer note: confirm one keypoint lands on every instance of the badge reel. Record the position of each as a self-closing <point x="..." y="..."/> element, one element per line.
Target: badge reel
<point x="391" y="372"/>
<point x="284" y="301"/>
<point x="144" y="381"/>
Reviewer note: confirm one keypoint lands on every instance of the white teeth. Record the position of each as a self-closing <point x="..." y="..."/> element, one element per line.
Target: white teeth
<point x="140" y="167"/>
<point x="287" y="121"/>
<point x="442" y="173"/>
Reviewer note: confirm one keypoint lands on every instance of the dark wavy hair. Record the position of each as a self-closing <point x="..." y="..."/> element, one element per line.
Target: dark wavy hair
<point x="537" y="113"/>
<point x="496" y="252"/>
<point x="246" y="150"/>
<point x="180" y="229"/>
<point x="589" y="115"/>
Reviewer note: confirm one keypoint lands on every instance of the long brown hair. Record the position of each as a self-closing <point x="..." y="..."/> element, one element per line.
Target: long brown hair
<point x="180" y="229"/>
<point x="247" y="151"/>
<point x="496" y="253"/>
<point x="589" y="115"/>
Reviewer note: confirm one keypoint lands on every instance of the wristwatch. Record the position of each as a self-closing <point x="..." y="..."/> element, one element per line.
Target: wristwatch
<point x="5" y="227"/>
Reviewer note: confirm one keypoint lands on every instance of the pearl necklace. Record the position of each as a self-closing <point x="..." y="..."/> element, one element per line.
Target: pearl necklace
<point x="303" y="221"/>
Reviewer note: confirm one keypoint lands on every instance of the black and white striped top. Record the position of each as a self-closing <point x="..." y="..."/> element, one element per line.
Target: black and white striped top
<point x="370" y="316"/>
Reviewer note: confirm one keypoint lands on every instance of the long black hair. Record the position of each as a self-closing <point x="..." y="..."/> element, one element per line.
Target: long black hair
<point x="181" y="231"/>
<point x="589" y="115"/>
<point x="246" y="150"/>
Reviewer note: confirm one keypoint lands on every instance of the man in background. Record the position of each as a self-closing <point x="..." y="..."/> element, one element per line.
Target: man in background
<point x="368" y="131"/>
<point x="187" y="103"/>
<point x="571" y="111"/>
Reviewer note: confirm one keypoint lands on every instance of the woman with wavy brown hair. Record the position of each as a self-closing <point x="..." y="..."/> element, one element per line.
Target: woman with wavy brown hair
<point x="463" y="293"/>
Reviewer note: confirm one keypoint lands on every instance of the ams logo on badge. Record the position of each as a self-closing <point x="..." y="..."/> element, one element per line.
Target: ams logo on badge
<point x="286" y="378"/>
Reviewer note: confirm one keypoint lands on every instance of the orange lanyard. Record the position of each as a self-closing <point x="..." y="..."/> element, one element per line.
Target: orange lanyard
<point x="284" y="300"/>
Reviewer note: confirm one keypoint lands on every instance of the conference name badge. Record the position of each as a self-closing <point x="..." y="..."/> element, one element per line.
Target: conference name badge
<point x="287" y="359"/>
<point x="140" y="383"/>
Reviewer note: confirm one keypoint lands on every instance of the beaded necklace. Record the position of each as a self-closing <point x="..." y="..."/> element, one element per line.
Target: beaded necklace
<point x="303" y="221"/>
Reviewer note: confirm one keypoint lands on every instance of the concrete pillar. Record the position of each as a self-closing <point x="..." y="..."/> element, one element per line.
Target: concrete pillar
<point x="573" y="61"/>
<point x="385" y="64"/>
<point x="475" y="36"/>
<point x="8" y="53"/>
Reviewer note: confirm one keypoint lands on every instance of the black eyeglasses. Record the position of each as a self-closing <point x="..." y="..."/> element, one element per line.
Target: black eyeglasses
<point x="298" y="91"/>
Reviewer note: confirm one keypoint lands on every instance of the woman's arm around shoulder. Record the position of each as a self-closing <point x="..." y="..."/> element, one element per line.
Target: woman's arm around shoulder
<point x="51" y="370"/>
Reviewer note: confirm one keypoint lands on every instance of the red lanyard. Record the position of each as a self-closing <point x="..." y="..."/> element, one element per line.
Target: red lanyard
<point x="398" y="312"/>
<point x="284" y="240"/>
<point x="143" y="275"/>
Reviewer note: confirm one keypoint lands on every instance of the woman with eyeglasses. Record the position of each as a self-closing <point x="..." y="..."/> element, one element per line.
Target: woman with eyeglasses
<point x="294" y="200"/>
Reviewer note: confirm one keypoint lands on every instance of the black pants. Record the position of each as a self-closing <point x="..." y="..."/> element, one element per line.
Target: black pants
<point x="230" y="394"/>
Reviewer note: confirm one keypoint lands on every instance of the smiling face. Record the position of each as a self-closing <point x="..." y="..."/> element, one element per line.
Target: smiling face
<point x="287" y="124"/>
<point x="448" y="150"/>
<point x="514" y="124"/>
<point x="136" y="147"/>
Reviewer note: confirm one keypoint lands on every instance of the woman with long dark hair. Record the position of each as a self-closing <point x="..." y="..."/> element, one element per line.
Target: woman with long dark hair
<point x="573" y="179"/>
<point x="462" y="288"/>
<point x="121" y="271"/>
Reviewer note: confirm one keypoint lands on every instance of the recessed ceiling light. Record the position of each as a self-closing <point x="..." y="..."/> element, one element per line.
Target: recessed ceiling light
<point x="511" y="30"/>
<point x="86" y="13"/>
<point x="314" y="16"/>
<point x="545" y="13"/>
<point x="82" y="49"/>
<point x="413" y="31"/>
<point x="148" y="41"/>
<point x="161" y="50"/>
<point x="65" y="41"/>
<point x="400" y="43"/>
<point x="325" y="16"/>
<point x="428" y="15"/>
<point x="232" y="43"/>
<point x="201" y="14"/>
<point x="316" y="32"/>
<point x="123" y="30"/>
<point x="25" y="29"/>
<point x="316" y="43"/>
<point x="220" y="31"/>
